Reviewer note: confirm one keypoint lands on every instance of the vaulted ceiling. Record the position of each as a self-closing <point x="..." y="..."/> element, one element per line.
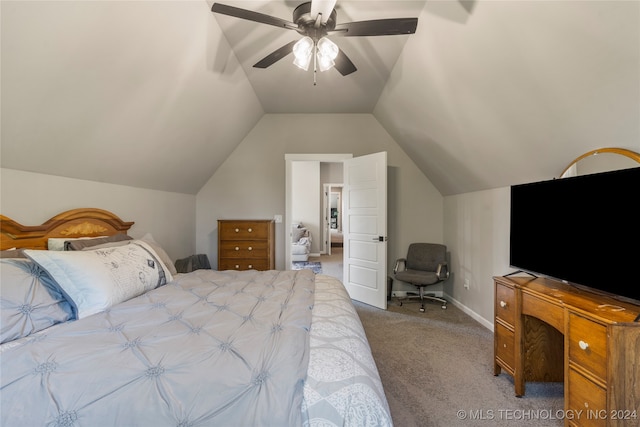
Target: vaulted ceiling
<point x="157" y="94"/>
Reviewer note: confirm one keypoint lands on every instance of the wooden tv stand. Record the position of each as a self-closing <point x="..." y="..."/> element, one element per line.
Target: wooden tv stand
<point x="546" y="330"/>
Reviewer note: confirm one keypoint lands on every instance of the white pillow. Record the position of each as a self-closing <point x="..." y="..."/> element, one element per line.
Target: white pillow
<point x="93" y="281"/>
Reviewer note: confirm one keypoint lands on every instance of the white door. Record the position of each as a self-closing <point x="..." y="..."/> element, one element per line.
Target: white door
<point x="365" y="228"/>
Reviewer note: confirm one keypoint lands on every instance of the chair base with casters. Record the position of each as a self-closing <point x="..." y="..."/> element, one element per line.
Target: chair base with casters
<point x="424" y="265"/>
<point x="423" y="297"/>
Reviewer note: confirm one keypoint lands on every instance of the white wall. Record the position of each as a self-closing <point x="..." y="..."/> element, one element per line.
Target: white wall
<point x="32" y="198"/>
<point x="305" y="206"/>
<point x="331" y="173"/>
<point x="251" y="182"/>
<point x="476" y="232"/>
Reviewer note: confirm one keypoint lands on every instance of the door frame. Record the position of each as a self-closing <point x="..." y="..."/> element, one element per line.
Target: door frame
<point x="289" y="158"/>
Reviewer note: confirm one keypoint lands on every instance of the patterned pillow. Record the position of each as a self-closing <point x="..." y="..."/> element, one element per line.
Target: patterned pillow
<point x="148" y="239"/>
<point x="29" y="300"/>
<point x="95" y="280"/>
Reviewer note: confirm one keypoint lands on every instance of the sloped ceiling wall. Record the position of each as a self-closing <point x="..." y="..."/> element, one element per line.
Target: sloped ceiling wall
<point x="150" y="94"/>
<point x="514" y="91"/>
<point x="140" y="93"/>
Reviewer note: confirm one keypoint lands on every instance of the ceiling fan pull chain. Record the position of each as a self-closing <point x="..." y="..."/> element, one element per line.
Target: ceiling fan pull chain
<point x="315" y="60"/>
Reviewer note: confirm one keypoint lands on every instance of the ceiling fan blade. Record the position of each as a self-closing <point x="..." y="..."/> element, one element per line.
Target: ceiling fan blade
<point x="343" y="64"/>
<point x="275" y="56"/>
<point x="324" y="7"/>
<point x="468" y="5"/>
<point x="252" y="16"/>
<point x="378" y="27"/>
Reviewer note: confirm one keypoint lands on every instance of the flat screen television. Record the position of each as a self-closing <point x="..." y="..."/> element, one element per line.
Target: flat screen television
<point x="583" y="230"/>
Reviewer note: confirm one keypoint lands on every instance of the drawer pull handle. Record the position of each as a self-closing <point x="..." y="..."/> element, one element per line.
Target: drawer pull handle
<point x="237" y="248"/>
<point x="250" y="230"/>
<point x="250" y="266"/>
<point x="250" y="248"/>
<point x="583" y="345"/>
<point x="237" y="230"/>
<point x="237" y="266"/>
<point x="503" y="304"/>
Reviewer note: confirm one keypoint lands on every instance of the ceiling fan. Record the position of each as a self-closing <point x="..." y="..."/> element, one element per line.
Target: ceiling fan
<point x="315" y="20"/>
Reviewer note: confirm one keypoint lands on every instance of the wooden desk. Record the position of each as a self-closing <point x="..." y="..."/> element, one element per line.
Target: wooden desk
<point x="545" y="330"/>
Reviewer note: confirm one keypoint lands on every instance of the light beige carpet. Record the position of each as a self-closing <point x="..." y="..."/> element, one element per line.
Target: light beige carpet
<point x="437" y="370"/>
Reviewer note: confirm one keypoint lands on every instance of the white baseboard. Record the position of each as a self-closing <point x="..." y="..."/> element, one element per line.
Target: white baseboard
<point x="484" y="322"/>
<point x="475" y="316"/>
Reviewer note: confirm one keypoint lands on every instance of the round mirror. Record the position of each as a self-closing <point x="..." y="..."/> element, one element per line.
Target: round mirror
<point x="602" y="160"/>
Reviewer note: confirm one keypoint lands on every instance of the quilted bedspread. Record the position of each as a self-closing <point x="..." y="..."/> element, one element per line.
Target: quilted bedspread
<point x="343" y="386"/>
<point x="209" y="348"/>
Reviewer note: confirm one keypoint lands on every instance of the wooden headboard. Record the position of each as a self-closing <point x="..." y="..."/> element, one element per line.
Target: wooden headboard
<point x="83" y="222"/>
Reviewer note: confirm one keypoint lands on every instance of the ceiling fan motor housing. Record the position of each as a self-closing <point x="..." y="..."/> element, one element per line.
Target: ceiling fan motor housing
<point x="307" y="24"/>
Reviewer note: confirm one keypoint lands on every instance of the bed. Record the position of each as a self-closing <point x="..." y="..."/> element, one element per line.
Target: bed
<point x="108" y="334"/>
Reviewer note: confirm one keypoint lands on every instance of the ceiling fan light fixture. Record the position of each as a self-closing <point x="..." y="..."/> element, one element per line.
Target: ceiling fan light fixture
<point x="325" y="63"/>
<point x="327" y="52"/>
<point x="302" y="51"/>
<point x="327" y="48"/>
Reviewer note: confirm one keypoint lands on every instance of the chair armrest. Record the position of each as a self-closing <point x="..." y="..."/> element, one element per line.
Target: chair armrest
<point x="443" y="271"/>
<point x="397" y="265"/>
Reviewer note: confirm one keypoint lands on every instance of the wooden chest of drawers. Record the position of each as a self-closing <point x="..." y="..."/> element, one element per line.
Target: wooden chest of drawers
<point x="246" y="244"/>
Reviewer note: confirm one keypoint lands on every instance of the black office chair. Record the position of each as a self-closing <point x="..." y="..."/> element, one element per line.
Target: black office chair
<point x="425" y="265"/>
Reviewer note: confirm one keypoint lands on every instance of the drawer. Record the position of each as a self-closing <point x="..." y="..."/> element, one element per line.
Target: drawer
<point x="236" y="230"/>
<point x="588" y="344"/>
<point x="589" y="398"/>
<point x="243" y="264"/>
<point x="505" y="346"/>
<point x="505" y="303"/>
<point x="244" y="249"/>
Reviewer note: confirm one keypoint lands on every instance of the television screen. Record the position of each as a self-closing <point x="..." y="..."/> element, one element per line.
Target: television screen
<point x="584" y="230"/>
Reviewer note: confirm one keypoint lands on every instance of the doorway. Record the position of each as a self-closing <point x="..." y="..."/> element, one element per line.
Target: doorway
<point x="332" y="216"/>
<point x="364" y="220"/>
<point x="322" y="222"/>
